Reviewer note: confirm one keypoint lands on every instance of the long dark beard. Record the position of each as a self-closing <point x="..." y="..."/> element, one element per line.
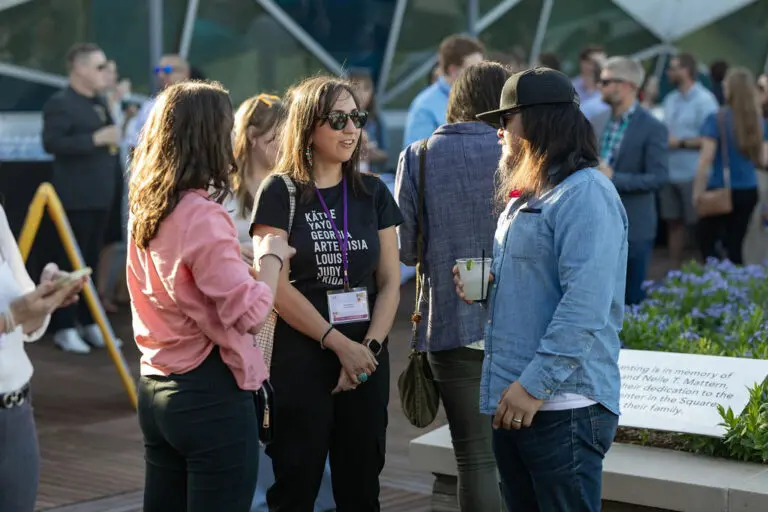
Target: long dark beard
<point x="522" y="171"/>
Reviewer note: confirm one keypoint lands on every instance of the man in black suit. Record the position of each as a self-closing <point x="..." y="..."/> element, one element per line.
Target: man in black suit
<point x="79" y="132"/>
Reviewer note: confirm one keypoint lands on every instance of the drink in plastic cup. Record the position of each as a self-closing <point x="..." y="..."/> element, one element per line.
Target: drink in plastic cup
<point x="474" y="273"/>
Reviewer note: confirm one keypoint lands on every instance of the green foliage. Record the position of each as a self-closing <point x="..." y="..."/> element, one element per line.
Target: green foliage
<point x="715" y="309"/>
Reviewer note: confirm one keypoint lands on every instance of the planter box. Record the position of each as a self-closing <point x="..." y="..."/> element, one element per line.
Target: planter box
<point x="635" y="478"/>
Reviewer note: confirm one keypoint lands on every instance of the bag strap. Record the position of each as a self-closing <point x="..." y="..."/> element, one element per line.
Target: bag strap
<point x="724" y="148"/>
<point x="416" y="317"/>
<point x="291" y="198"/>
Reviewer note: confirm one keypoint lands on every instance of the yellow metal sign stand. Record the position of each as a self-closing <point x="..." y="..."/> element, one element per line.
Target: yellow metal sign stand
<point x="46" y="198"/>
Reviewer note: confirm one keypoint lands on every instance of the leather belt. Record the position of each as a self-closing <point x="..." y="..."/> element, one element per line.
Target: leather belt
<point x="14" y="398"/>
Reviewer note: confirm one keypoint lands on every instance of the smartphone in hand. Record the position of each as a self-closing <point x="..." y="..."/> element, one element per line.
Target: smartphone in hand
<point x="70" y="277"/>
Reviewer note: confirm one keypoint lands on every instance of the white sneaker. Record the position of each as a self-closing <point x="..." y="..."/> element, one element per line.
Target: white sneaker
<point x="92" y="335"/>
<point x="69" y="340"/>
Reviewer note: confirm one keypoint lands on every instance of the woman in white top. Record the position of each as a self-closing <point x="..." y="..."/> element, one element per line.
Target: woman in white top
<point x="24" y="314"/>
<point x="255" y="136"/>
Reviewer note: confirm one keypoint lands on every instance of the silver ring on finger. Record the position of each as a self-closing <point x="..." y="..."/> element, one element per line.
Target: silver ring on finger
<point x="517" y="420"/>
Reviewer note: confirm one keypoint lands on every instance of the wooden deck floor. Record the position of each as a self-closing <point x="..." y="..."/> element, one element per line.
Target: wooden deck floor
<point x="91" y="443"/>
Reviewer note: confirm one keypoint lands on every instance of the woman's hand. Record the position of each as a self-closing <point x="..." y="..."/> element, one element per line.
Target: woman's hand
<point x="51" y="273"/>
<point x="355" y="358"/>
<point x="246" y="253"/>
<point x="30" y="310"/>
<point x="460" y="285"/>
<point x="276" y="245"/>
<point x="346" y="383"/>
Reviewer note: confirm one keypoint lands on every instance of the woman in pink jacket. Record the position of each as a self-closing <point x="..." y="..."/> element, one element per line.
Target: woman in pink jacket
<point x="196" y="306"/>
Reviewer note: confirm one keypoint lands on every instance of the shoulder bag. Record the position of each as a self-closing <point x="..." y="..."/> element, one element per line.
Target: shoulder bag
<point x="718" y="201"/>
<point x="265" y="340"/>
<point x="419" y="395"/>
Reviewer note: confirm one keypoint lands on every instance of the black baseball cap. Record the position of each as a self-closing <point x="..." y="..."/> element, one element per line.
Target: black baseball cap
<point x="536" y="86"/>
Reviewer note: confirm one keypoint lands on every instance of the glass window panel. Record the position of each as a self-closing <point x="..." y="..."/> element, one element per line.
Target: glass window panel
<point x="354" y="32"/>
<point x="22" y="96"/>
<point x="38" y="34"/>
<point x="425" y="24"/>
<point x="740" y="39"/>
<point x="239" y="44"/>
<point x="521" y="21"/>
<point x="574" y="25"/>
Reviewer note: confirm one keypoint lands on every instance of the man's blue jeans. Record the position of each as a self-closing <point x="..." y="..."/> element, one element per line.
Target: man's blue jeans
<point x="556" y="464"/>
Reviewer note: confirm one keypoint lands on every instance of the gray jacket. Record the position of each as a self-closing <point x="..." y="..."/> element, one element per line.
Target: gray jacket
<point x="459" y="222"/>
<point x="640" y="170"/>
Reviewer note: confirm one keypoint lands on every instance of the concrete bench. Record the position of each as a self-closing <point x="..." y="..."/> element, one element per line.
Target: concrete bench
<point x="635" y="478"/>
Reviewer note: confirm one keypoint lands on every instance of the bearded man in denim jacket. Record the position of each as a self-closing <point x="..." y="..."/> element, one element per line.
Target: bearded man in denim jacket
<point x="550" y="377"/>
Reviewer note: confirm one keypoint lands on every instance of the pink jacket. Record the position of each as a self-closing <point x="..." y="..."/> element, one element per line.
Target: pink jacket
<point x="190" y="291"/>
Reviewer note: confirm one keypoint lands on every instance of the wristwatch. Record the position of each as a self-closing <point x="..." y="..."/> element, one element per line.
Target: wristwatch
<point x="373" y="345"/>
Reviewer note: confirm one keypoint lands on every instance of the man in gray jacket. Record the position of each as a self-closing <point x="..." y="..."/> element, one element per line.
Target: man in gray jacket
<point x="634" y="154"/>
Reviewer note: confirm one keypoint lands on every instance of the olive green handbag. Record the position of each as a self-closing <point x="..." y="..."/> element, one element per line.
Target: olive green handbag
<point x="419" y="396"/>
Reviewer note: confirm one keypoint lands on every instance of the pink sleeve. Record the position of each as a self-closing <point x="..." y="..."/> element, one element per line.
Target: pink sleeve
<point x="211" y="252"/>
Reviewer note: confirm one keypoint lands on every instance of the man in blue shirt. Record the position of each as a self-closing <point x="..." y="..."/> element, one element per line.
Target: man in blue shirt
<point x="685" y="110"/>
<point x="427" y="111"/>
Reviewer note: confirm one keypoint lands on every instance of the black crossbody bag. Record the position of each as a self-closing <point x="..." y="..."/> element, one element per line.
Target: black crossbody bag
<point x="264" y="399"/>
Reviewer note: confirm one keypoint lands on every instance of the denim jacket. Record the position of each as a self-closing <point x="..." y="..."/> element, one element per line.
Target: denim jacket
<point x="459" y="222"/>
<point x="557" y="305"/>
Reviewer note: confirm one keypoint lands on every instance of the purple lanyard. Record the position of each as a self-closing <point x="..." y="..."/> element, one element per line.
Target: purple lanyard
<point x="341" y="237"/>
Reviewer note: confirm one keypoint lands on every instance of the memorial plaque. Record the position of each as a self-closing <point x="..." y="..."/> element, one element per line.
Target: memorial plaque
<point x="680" y="392"/>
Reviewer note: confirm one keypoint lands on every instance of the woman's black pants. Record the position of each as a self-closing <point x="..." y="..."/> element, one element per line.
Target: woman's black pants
<point x="728" y="229"/>
<point x="201" y="442"/>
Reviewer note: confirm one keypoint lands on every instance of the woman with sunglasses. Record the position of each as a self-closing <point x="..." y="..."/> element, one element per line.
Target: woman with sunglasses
<point x="255" y="147"/>
<point x="337" y="301"/>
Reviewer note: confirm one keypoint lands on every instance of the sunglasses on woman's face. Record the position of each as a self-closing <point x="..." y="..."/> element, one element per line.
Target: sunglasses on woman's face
<point x="337" y="120"/>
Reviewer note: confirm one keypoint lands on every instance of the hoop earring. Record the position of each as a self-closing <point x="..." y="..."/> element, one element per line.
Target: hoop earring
<point x="308" y="155"/>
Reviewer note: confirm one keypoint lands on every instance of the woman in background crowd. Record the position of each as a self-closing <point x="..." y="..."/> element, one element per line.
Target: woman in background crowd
<point x="337" y="302"/>
<point x="196" y="307"/>
<point x="255" y="147"/>
<point x="461" y="156"/>
<point x="745" y="132"/>
<point x="24" y="314"/>
<point x="256" y="141"/>
<point x="374" y="157"/>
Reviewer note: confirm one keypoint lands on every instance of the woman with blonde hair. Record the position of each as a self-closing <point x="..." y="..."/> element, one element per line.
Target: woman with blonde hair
<point x="196" y="307"/>
<point x="733" y="139"/>
<point x="256" y="133"/>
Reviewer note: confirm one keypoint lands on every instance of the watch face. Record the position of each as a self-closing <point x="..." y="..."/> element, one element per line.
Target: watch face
<point x="375" y="346"/>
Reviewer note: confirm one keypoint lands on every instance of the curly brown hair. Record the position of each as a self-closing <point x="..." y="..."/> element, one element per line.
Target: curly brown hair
<point x="311" y="101"/>
<point x="186" y="144"/>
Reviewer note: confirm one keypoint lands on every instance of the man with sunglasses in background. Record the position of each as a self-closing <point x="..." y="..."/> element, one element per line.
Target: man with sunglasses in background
<point x="78" y="130"/>
<point x="172" y="69"/>
<point x="634" y="154"/>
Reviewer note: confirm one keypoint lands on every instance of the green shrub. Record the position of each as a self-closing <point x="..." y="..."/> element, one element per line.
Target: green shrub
<point x="715" y="309"/>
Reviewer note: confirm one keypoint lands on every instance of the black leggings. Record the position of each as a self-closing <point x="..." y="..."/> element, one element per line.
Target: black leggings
<point x="729" y="229"/>
<point x="201" y="442"/>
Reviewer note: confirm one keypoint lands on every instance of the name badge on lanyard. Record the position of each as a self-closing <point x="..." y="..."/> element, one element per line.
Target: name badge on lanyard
<point x="348" y="305"/>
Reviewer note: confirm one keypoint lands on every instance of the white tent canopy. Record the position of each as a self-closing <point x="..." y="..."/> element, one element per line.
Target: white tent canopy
<point x="671" y="20"/>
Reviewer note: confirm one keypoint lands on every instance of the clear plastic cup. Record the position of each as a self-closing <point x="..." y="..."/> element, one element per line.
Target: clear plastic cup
<point x="475" y="273"/>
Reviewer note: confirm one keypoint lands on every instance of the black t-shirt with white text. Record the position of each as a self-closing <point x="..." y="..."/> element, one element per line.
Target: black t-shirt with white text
<point x="317" y="266"/>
